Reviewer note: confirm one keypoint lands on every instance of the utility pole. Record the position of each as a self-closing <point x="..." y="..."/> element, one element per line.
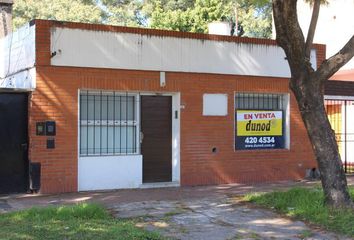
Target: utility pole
<point x="5" y="17"/>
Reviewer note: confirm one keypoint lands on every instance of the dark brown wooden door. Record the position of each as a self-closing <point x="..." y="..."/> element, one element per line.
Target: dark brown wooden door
<point x="156" y="147"/>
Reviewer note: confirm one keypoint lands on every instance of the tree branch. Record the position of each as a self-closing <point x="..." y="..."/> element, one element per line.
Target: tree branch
<point x="338" y="60"/>
<point x="312" y="28"/>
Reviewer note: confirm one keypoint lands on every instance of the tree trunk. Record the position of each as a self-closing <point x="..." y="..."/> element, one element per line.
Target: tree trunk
<point x="5" y="17"/>
<point x="311" y="105"/>
<point x="307" y="86"/>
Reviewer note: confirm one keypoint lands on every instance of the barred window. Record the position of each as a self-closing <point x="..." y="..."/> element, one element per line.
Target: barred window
<point x="259" y="101"/>
<point x="261" y="121"/>
<point x="108" y="123"/>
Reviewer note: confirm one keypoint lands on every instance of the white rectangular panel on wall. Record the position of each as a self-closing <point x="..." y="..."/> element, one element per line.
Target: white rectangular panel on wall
<point x="110" y="172"/>
<point x="215" y="105"/>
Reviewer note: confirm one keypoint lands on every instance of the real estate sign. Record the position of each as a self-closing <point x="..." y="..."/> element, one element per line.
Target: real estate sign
<point x="259" y="129"/>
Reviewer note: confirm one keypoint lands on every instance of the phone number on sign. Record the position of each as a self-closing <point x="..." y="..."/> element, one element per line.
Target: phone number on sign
<point x="253" y="140"/>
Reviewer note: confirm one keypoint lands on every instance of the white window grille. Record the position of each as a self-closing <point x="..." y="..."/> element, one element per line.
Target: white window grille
<point x="108" y="123"/>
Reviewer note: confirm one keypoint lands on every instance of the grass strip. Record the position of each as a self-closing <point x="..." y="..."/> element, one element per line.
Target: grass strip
<point x="308" y="204"/>
<point x="82" y="221"/>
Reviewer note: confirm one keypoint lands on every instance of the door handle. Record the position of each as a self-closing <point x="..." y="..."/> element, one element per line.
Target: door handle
<point x="24" y="146"/>
<point x="141" y="137"/>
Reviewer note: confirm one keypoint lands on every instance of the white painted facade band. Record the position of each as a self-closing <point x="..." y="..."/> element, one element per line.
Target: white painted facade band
<point x="100" y="49"/>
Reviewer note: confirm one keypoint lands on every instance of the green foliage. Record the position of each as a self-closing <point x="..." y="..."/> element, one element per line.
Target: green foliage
<point x="89" y="11"/>
<point x="83" y="221"/>
<point x="68" y="10"/>
<point x="124" y="12"/>
<point x="308" y="204"/>
<point x="254" y="16"/>
<point x="194" y="19"/>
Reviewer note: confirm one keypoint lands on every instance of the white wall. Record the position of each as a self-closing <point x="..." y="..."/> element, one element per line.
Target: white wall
<point x="17" y="59"/>
<point x="17" y="51"/>
<point x="110" y="172"/>
<point x="23" y="80"/>
<point x="88" y="48"/>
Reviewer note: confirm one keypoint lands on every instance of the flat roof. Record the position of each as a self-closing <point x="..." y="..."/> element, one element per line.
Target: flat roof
<point x="153" y="32"/>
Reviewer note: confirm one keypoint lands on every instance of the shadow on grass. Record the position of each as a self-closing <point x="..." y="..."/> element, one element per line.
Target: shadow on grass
<point x="307" y="204"/>
<point x="82" y="221"/>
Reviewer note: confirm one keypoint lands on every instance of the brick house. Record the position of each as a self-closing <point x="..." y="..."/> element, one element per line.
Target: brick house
<point x="108" y="107"/>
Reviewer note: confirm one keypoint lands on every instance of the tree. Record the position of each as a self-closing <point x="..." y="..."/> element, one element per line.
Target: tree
<point x="192" y="19"/>
<point x="117" y="12"/>
<point x="124" y="12"/>
<point x="307" y="85"/>
<point x="6" y="17"/>
<point x="253" y="16"/>
<point x="83" y="10"/>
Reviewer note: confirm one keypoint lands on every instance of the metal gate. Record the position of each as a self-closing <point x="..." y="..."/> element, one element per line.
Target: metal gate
<point x="341" y="116"/>
<point x="13" y="143"/>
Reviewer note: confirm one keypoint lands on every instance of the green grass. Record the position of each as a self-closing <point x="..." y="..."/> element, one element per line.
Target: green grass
<point x="308" y="204"/>
<point x="82" y="221"/>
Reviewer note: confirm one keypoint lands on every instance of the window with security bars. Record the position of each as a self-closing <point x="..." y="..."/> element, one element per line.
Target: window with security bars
<point x="108" y="123"/>
<point x="261" y="121"/>
<point x="259" y="101"/>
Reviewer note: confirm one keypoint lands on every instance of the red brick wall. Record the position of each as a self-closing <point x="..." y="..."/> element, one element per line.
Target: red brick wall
<point x="56" y="98"/>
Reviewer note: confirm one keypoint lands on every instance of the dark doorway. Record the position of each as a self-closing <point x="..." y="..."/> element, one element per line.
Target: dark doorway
<point x="156" y="147"/>
<point x="13" y="142"/>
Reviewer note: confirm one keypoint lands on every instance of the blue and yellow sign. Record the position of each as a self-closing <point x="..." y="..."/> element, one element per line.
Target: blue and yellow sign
<point x="259" y="129"/>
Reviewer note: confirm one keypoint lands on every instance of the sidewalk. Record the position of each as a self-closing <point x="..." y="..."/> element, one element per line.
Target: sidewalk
<point x="208" y="212"/>
<point x="216" y="219"/>
<point x="112" y="198"/>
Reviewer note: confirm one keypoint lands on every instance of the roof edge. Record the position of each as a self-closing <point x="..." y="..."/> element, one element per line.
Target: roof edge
<point x="155" y="32"/>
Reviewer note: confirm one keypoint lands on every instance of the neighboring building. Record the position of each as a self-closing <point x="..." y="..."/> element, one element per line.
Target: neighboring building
<point x="116" y="107"/>
<point x="339" y="101"/>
